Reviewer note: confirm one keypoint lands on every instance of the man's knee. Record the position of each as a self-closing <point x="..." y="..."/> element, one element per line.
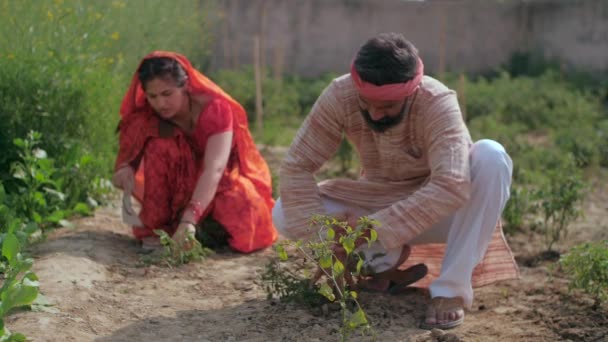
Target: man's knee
<point x="490" y="156"/>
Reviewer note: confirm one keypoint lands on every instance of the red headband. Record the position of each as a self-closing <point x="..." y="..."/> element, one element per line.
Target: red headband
<point x="387" y="92"/>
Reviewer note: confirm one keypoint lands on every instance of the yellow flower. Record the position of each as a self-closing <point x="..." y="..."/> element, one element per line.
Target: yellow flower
<point x="49" y="15"/>
<point x="115" y="36"/>
<point x="98" y="15"/>
<point x="10" y="56"/>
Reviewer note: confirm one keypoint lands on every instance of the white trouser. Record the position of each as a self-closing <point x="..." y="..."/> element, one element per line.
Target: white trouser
<point x="467" y="232"/>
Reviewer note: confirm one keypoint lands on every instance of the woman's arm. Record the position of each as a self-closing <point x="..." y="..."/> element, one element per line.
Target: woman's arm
<point x="216" y="157"/>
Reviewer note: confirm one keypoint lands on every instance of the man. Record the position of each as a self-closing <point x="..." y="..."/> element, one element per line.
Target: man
<point x="422" y="178"/>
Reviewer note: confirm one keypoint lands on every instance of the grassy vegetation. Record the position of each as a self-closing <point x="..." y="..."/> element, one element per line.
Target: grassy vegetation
<point x="65" y="64"/>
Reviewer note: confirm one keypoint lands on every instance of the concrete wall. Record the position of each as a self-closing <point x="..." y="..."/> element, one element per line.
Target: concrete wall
<point x="310" y="37"/>
<point x="575" y="32"/>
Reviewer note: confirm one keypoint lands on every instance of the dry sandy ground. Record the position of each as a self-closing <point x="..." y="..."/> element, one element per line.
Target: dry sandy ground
<point x="101" y="292"/>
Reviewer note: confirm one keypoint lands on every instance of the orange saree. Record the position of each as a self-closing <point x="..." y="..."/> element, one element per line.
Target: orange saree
<point x="168" y="164"/>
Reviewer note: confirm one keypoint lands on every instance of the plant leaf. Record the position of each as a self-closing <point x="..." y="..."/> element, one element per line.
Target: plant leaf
<point x="373" y="235"/>
<point x="282" y="253"/>
<point x="349" y="246"/>
<point x="325" y="261"/>
<point x="82" y="209"/>
<point x="10" y="247"/>
<point x="338" y="268"/>
<point x="331" y="234"/>
<point x="357" y="319"/>
<point x="326" y="291"/>
<point x="20" y="294"/>
<point x="359" y="265"/>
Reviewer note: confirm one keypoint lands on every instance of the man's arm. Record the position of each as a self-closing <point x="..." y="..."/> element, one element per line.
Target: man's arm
<point x="317" y="140"/>
<point x="447" y="141"/>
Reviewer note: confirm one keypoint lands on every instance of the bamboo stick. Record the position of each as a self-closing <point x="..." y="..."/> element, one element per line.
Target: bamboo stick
<point x="258" y="84"/>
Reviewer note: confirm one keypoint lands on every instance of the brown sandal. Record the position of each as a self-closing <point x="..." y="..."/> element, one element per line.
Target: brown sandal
<point x="393" y="280"/>
<point x="444" y="305"/>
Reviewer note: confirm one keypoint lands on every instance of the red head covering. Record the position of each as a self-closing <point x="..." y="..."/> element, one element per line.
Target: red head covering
<point x="139" y="123"/>
<point x="387" y="92"/>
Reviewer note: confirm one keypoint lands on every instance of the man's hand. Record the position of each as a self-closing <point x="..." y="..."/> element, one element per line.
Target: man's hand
<point x="348" y="217"/>
<point x="352" y="220"/>
<point x="339" y="252"/>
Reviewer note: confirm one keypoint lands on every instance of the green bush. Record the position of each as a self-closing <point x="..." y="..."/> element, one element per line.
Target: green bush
<point x="45" y="192"/>
<point x="559" y="200"/>
<point x="285" y="102"/>
<point x="552" y="128"/>
<point x="587" y="266"/>
<point x="519" y="205"/>
<point x="279" y="99"/>
<point x="31" y="98"/>
<point x="540" y="104"/>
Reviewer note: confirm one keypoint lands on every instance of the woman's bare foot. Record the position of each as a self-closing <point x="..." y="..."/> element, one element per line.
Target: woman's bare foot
<point x="444" y="313"/>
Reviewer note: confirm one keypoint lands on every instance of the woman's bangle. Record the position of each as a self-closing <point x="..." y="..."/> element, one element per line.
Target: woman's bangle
<point x="188" y="222"/>
<point x="197" y="209"/>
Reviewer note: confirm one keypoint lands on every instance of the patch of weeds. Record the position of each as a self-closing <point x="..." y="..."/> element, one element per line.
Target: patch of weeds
<point x="290" y="286"/>
<point x="175" y="254"/>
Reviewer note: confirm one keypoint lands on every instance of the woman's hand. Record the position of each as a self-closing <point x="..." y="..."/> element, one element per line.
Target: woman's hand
<point x="124" y="178"/>
<point x="185" y="235"/>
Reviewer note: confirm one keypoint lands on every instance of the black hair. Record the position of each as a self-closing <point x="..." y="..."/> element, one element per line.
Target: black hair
<point x="161" y="67"/>
<point x="387" y="58"/>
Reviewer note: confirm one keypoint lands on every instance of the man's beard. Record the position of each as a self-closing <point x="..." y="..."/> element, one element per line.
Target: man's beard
<point x="385" y="123"/>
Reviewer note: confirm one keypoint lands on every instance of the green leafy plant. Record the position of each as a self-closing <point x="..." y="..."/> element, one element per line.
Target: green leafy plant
<point x="20" y="286"/>
<point x="33" y="172"/>
<point x="587" y="266"/>
<point x="43" y="193"/>
<point x="333" y="253"/>
<point x="175" y="254"/>
<point x="558" y="204"/>
<point x="519" y="205"/>
<point x="290" y="285"/>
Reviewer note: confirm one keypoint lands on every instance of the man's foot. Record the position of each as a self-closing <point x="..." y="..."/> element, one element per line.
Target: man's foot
<point x="444" y="313"/>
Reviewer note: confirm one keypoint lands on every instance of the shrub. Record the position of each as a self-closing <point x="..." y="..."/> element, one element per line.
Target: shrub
<point x="587" y="266"/>
<point x="321" y="251"/>
<point x="285" y="102"/>
<point x="42" y="192"/>
<point x="519" y="205"/>
<point x="558" y="203"/>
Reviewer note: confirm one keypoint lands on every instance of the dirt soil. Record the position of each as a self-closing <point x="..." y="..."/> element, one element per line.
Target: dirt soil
<point x="101" y="291"/>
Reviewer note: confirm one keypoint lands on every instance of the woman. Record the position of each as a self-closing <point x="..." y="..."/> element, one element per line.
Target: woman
<point x="185" y="153"/>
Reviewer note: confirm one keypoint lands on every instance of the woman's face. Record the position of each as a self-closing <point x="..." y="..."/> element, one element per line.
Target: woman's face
<point x="165" y="97"/>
